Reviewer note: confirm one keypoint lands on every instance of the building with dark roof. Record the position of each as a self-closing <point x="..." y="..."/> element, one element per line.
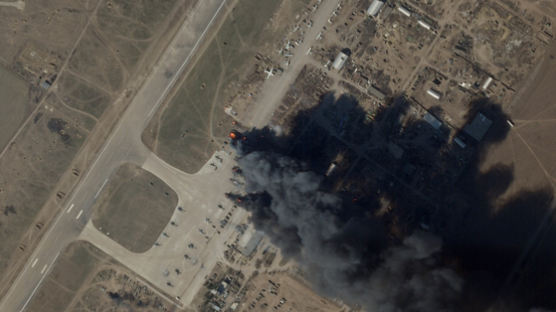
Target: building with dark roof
<point x="478" y="127"/>
<point x="433" y="121"/>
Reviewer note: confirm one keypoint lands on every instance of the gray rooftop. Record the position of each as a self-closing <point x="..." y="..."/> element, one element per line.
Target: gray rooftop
<point x="433" y="121"/>
<point x="478" y="127"/>
<point x="252" y="243"/>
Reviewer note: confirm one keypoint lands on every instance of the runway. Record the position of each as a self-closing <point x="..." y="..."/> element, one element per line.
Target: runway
<point x="123" y="145"/>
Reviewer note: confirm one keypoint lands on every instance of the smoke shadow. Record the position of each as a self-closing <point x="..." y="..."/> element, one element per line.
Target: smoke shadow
<point x="395" y="173"/>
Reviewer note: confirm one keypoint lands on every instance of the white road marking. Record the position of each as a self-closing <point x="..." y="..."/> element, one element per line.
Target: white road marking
<point x="101" y="187"/>
<point x="79" y="214"/>
<point x="70" y="208"/>
<point x="38" y="284"/>
<point x="44" y="268"/>
<point x="34" y="262"/>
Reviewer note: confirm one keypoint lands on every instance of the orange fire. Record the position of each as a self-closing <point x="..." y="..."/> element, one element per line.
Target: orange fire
<point x="233" y="136"/>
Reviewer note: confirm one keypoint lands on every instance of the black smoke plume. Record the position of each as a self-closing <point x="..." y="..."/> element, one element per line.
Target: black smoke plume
<point x="288" y="205"/>
<point x="353" y="246"/>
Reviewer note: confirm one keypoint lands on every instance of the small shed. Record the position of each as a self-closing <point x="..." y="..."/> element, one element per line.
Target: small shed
<point x="46" y="84"/>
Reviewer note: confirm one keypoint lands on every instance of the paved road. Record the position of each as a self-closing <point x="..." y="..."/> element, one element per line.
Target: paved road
<point x="272" y="93"/>
<point x="124" y="145"/>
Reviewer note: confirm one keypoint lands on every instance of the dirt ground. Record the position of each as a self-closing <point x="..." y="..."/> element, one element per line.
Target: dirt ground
<point x="15" y="105"/>
<point x="30" y="169"/>
<point x="134" y="207"/>
<point x="281" y="292"/>
<point x="530" y="146"/>
<point x="249" y="287"/>
<point x="188" y="129"/>
<point x="85" y="279"/>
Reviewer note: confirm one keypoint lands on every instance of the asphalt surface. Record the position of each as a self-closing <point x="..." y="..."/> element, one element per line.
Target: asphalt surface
<point x="272" y="93"/>
<point x="204" y="206"/>
<point x="123" y="145"/>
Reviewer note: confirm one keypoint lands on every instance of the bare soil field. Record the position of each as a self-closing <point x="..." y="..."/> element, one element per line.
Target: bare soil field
<point x="188" y="129"/>
<point x="84" y="98"/>
<point x="87" y="280"/>
<point x="14" y="106"/>
<point x="249" y="287"/>
<point x="134" y="207"/>
<point x="32" y="166"/>
<point x="41" y="36"/>
<point x="530" y="146"/>
<point x="281" y="292"/>
<point x="78" y="57"/>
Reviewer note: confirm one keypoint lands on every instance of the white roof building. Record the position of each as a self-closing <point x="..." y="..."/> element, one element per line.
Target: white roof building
<point x="435" y="94"/>
<point x="424" y="25"/>
<point x="486" y="84"/>
<point x="374" y="8"/>
<point x="404" y="11"/>
<point x="340" y="60"/>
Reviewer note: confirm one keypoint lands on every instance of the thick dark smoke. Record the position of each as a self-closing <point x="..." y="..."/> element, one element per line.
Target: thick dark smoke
<point x="357" y="232"/>
<point x="286" y="202"/>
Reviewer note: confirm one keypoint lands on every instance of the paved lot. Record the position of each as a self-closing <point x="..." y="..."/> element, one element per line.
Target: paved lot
<point x="199" y="196"/>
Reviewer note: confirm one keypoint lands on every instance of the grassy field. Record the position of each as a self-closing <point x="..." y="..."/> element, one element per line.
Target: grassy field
<point x="186" y="130"/>
<point x="15" y="105"/>
<point x="86" y="279"/>
<point x="134" y="208"/>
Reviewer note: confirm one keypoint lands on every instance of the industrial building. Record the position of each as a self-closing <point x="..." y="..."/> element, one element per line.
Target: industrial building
<point x="249" y="241"/>
<point x="340" y="60"/>
<point x="433" y="121"/>
<point x="374" y="8"/>
<point x="486" y="84"/>
<point x="460" y="142"/>
<point x="435" y="94"/>
<point x="478" y="127"/>
<point x="404" y="11"/>
<point x="424" y="24"/>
